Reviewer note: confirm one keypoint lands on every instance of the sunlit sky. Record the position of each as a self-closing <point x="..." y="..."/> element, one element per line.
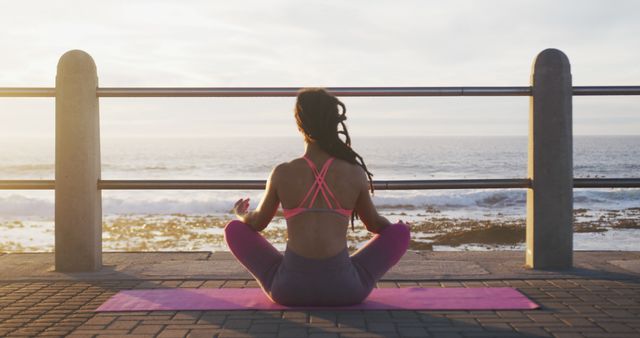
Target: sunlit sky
<point x="319" y="43"/>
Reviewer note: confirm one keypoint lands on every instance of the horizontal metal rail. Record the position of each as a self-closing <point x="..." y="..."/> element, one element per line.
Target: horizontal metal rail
<point x="339" y="91"/>
<point x="606" y="182"/>
<point x="260" y="184"/>
<point x="182" y="184"/>
<point x="27" y="92"/>
<point x="293" y="91"/>
<point x="27" y="184"/>
<point x="606" y="90"/>
<point x="514" y="183"/>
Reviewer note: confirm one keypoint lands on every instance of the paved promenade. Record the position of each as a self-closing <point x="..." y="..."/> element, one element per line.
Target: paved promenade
<point x="600" y="297"/>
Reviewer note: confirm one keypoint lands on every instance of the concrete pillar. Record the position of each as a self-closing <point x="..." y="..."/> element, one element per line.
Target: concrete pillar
<point x="78" y="203"/>
<point x="550" y="199"/>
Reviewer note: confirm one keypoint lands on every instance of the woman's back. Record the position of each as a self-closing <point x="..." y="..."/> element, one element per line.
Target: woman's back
<point x="319" y="232"/>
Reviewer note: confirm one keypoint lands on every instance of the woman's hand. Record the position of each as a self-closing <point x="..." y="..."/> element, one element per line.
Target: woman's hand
<point x="241" y="207"/>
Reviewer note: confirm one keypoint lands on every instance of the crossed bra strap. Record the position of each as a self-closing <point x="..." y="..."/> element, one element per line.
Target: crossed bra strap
<point x="319" y="186"/>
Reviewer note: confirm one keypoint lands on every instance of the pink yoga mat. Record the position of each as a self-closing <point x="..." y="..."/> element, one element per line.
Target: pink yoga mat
<point x="379" y="299"/>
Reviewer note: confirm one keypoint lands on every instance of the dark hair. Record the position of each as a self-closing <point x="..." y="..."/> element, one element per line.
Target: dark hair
<point x="318" y="118"/>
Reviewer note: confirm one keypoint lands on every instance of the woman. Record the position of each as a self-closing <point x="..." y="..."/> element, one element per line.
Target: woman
<point x="319" y="193"/>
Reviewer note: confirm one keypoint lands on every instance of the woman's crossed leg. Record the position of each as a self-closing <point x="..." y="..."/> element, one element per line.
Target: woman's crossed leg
<point x="253" y="251"/>
<point x="383" y="251"/>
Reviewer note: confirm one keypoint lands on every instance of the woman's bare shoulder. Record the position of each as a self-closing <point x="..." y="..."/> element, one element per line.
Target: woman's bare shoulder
<point x="280" y="168"/>
<point x="285" y="168"/>
<point x="353" y="171"/>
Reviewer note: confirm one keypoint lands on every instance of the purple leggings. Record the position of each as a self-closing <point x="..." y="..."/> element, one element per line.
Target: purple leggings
<point x="291" y="279"/>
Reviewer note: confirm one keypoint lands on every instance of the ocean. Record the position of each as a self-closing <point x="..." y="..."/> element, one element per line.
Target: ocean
<point x="471" y="219"/>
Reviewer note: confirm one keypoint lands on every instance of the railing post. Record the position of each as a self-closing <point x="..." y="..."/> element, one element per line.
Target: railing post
<point x="550" y="198"/>
<point x="78" y="202"/>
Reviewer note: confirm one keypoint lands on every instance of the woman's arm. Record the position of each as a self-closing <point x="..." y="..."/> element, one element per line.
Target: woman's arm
<point x="260" y="218"/>
<point x="365" y="208"/>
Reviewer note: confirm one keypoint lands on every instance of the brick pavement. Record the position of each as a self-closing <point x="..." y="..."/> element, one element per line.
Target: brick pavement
<point x="600" y="297"/>
<point x="576" y="307"/>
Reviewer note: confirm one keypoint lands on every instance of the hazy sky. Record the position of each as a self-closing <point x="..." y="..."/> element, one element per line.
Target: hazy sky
<point x="319" y="43"/>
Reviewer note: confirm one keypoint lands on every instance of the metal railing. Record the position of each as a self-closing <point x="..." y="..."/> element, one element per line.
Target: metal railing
<point x="340" y="91"/>
<point x="508" y="183"/>
<point x="78" y="185"/>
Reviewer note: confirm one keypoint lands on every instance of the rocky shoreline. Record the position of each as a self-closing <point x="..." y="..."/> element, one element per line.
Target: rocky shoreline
<point x="180" y="232"/>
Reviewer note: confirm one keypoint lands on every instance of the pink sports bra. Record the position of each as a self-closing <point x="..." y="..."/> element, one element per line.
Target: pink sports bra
<point x="319" y="186"/>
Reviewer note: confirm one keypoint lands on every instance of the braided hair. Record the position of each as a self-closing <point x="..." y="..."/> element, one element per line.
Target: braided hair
<point x="318" y="118"/>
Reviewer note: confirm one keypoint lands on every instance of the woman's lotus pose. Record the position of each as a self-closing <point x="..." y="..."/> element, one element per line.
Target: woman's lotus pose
<point x="319" y="193"/>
